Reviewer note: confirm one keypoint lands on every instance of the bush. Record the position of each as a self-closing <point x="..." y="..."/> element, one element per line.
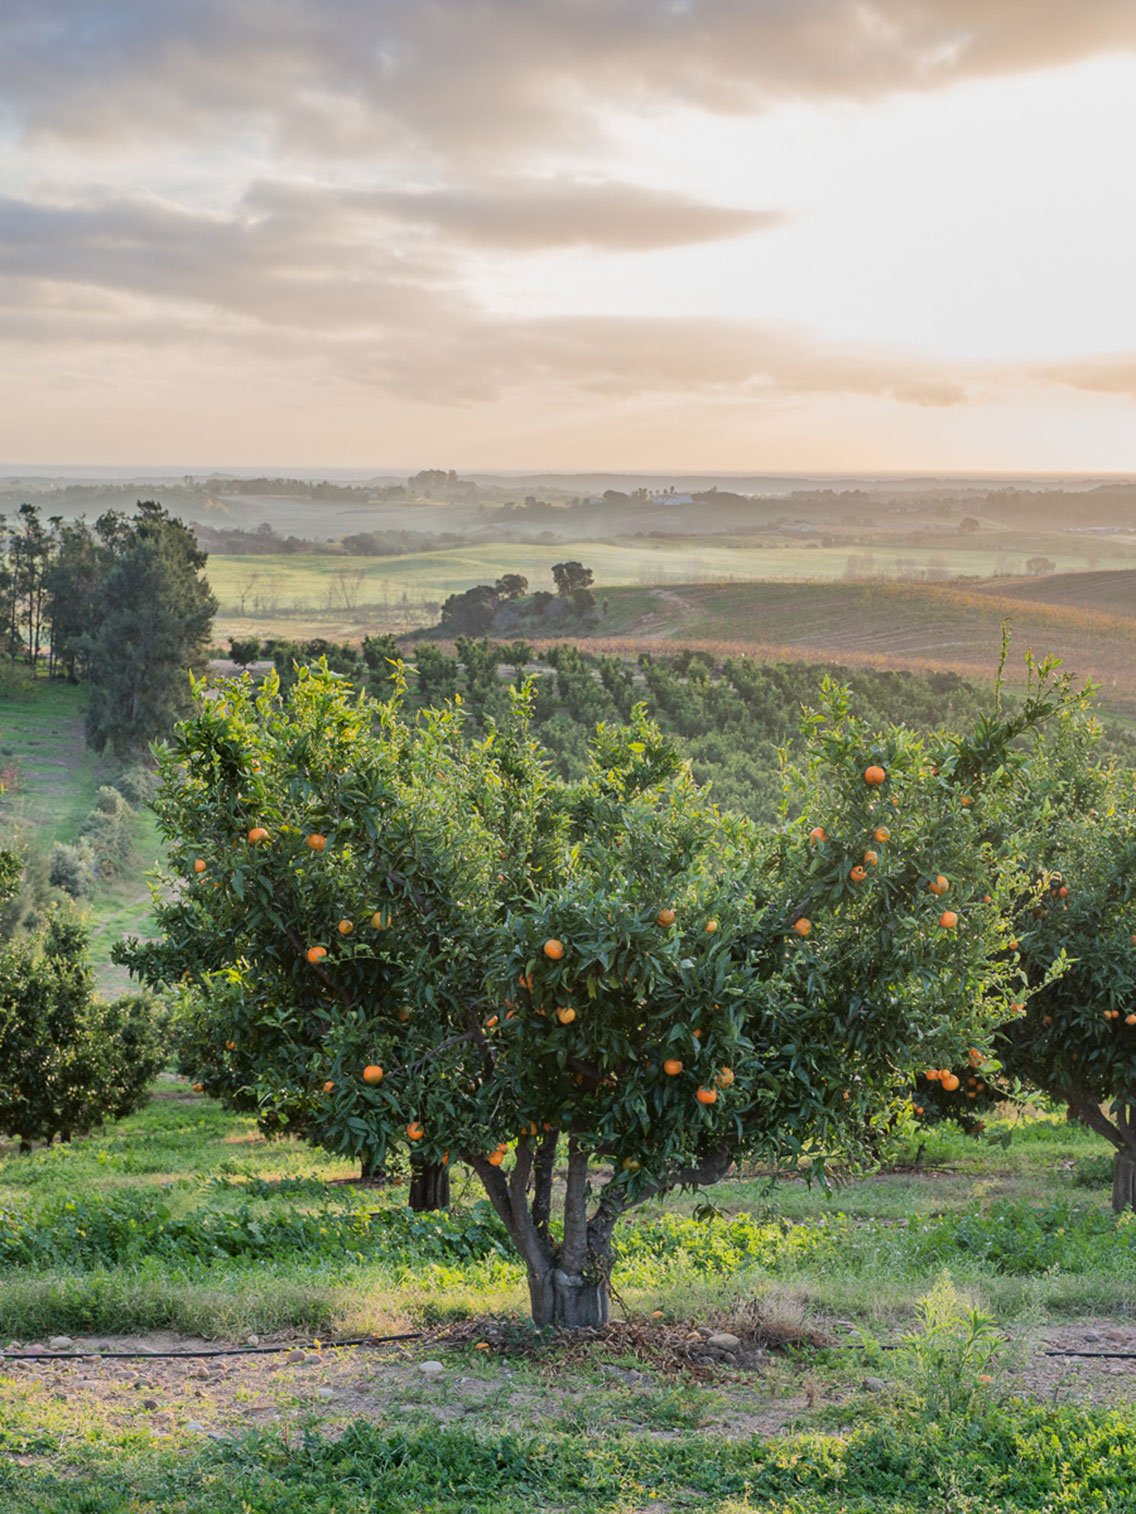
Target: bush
<point x="108" y="832"/>
<point x="71" y="868"/>
<point x="137" y="784"/>
<point x="68" y="1061"/>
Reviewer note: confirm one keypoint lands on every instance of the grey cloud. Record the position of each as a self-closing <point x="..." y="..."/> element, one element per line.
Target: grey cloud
<point x="520" y="215"/>
<point x="462" y="76"/>
<point x="1106" y="373"/>
<point x="115" y="270"/>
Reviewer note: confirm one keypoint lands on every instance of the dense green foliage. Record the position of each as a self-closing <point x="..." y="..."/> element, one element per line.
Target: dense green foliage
<point x="68" y="1060"/>
<point x="728" y="716"/>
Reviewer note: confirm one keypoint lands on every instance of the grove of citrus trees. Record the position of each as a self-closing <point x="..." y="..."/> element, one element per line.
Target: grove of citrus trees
<point x="397" y="939"/>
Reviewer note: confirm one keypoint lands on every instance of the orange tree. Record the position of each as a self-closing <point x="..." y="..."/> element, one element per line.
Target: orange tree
<point x="1074" y="1035"/>
<point x="402" y="940"/>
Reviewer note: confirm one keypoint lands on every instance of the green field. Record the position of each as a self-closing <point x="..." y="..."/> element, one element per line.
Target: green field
<point x="343" y="596"/>
<point x="51" y="785"/>
<point x="182" y="1219"/>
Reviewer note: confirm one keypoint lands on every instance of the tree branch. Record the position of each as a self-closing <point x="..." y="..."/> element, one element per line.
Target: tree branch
<point x="1089" y="1112"/>
<point x="574" y="1252"/>
<point x="542" y="1185"/>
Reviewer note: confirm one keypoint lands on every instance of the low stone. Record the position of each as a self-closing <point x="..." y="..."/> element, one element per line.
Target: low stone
<point x="294" y="1358"/>
<point x="1091" y="1337"/>
<point x="60" y="1343"/>
<point x="150" y="1403"/>
<point x="722" y="1340"/>
<point x="199" y="1374"/>
<point x="874" y="1385"/>
<point x="252" y="1340"/>
<point x="431" y="1369"/>
<point x="703" y="1332"/>
<point x="325" y="1394"/>
<point x="196" y="1426"/>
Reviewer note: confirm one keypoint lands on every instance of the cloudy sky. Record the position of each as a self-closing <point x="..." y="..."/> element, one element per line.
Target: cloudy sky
<point x="666" y="234"/>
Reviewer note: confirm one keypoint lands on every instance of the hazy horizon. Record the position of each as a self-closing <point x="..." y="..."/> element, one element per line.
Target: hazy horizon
<point x="815" y="238"/>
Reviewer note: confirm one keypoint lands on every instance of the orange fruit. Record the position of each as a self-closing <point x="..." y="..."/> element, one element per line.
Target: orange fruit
<point x="491" y="1022"/>
<point x="554" y="949"/>
<point x="495" y="1158"/>
<point x="665" y="917"/>
<point x="379" y="920"/>
<point x="950" y="1082"/>
<point x="966" y="801"/>
<point x="672" y="1067"/>
<point x="939" y="885"/>
<point x="1063" y="892"/>
<point x="881" y="833"/>
<point x="329" y="1085"/>
<point x="874" y="775"/>
<point x="917" y="1109"/>
<point x="316" y="841"/>
<point x="948" y="919"/>
<point x="1130" y="1019"/>
<point x="257" y="835"/>
<point x="857" y="874"/>
<point x="697" y="1034"/>
<point x="316" y="954"/>
<point x="230" y="1046"/>
<point x="1012" y="945"/>
<point x="975" y="1057"/>
<point x="566" y="1015"/>
<point x="932" y="1074"/>
<point x="526" y="981"/>
<point x="199" y="1088"/>
<point x="871" y="859"/>
<point x="726" y="1077"/>
<point x="1017" y="1009"/>
<point x="345" y="927"/>
<point x="711" y="927"/>
<point x="373" y="1074"/>
<point x="199" y="865"/>
<point x="414" y="1131"/>
<point x="818" y="834"/>
<point x="403" y="1013"/>
<point x="803" y="926"/>
<point x="707" y="1095"/>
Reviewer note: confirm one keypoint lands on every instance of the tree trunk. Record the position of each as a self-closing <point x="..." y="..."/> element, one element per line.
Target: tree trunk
<point x="569" y="1301"/>
<point x="429" y="1186"/>
<point x="1124" y="1180"/>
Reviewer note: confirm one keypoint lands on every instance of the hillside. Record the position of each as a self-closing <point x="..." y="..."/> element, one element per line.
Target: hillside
<point x="931" y="627"/>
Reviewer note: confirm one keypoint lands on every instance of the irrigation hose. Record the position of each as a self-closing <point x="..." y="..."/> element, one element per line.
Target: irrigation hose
<point x="170" y="1356"/>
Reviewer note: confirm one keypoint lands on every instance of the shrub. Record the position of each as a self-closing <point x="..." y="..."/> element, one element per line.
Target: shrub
<point x="71" y="868"/>
<point x="68" y="1061"/>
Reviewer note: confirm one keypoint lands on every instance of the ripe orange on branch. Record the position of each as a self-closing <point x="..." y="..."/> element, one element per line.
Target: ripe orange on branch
<point x="672" y="1067"/>
<point x="857" y="874"/>
<point x="553" y="949"/>
<point x="803" y="926"/>
<point x="881" y="833"/>
<point x="665" y="917"/>
<point x="566" y="1015"/>
<point x="818" y="834"/>
<point x="258" y="835"/>
<point x="373" y="1074"/>
<point x="874" y="775"/>
<point x="316" y="841"/>
<point x="939" y="885"/>
<point x="707" y="1095"/>
<point x="948" y="919"/>
<point x="345" y="927"/>
<point x="414" y="1131"/>
<point x="199" y="865"/>
<point x="316" y="954"/>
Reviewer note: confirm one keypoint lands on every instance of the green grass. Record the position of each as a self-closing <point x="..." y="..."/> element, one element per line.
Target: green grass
<point x="1002" y="1458"/>
<point x="182" y="1218"/>
<point x="56" y="777"/>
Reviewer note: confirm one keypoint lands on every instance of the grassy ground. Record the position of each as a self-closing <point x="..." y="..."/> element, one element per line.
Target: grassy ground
<point x="260" y="1237"/>
<point x="53" y="778"/>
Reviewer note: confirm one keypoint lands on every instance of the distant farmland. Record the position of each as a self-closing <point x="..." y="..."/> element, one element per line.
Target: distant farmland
<point x="345" y="597"/>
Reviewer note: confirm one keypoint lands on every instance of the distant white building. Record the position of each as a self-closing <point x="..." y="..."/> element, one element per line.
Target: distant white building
<point x="670" y="498"/>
